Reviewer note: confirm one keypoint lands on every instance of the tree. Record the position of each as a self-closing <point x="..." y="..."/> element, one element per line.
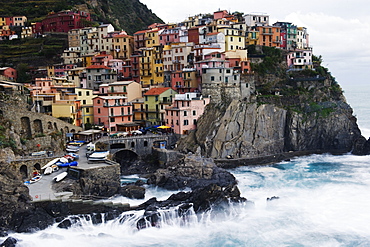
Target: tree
<point x="23" y="75"/>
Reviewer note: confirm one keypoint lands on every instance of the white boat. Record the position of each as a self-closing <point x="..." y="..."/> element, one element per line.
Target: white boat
<point x="60" y="177"/>
<point x="55" y="168"/>
<point x="96" y="156"/>
<point x="48" y="170"/>
<point x="35" y="179"/>
<point x="50" y="163"/>
<point x="73" y="149"/>
<point x="40" y="153"/>
<point x="63" y="160"/>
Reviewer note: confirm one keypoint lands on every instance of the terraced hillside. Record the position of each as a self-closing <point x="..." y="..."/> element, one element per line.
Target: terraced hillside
<point x="129" y="15"/>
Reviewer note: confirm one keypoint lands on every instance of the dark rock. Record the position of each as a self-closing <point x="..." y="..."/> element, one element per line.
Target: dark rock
<point x="9" y="242"/>
<point x="57" y="209"/>
<point x="3" y="234"/>
<point x="361" y="146"/>
<point x="215" y="196"/>
<point x="96" y="219"/>
<point x="272" y="198"/>
<point x="38" y="219"/>
<point x="65" y="224"/>
<point x="132" y="191"/>
<point x="193" y="172"/>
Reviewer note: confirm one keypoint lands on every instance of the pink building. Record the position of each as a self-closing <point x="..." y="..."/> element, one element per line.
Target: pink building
<point x="184" y="112"/>
<point x="101" y="59"/>
<point x="112" y="111"/>
<point x="168" y="36"/>
<point x="300" y="59"/>
<point x="184" y="81"/>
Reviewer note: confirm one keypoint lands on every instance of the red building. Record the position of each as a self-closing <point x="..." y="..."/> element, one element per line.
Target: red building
<point x="9" y="73"/>
<point x="63" y="21"/>
<point x="193" y="35"/>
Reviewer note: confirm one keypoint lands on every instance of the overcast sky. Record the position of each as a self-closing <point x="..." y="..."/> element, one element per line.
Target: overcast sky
<point x="339" y="29"/>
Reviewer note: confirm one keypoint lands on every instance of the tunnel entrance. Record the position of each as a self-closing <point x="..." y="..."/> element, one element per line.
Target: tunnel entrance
<point x="125" y="158"/>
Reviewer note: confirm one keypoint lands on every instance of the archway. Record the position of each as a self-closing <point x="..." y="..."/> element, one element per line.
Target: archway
<point x="26" y="127"/>
<point x="125" y="158"/>
<point x="37" y="126"/>
<point x="24" y="171"/>
<point x="37" y="166"/>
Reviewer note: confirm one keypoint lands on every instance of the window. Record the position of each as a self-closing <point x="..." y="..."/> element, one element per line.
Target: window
<point x="98" y="110"/>
<point x="87" y="110"/>
<point x="212" y="78"/>
<point x="84" y="102"/>
<point x="79" y="93"/>
<point x="194" y="113"/>
<point x="112" y="119"/>
<point x="186" y="122"/>
<point x="185" y="113"/>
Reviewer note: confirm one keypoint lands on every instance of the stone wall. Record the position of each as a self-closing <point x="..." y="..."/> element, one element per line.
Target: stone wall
<point x="222" y="91"/>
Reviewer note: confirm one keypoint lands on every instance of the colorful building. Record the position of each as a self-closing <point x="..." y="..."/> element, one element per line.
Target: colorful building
<point x="8" y="73"/>
<point x="155" y="102"/>
<point x="85" y="96"/>
<point x="99" y="74"/>
<point x="183" y="114"/>
<point x="64" y="21"/>
<point x="112" y="111"/>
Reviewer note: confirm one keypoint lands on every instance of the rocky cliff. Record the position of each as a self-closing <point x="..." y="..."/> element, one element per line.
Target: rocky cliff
<point x="287" y="111"/>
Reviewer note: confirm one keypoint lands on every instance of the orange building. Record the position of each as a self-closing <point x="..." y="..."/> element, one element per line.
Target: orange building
<point x="268" y="36"/>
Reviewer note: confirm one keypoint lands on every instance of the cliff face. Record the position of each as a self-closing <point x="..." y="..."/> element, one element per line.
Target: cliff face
<point x="304" y="111"/>
<point x="247" y="130"/>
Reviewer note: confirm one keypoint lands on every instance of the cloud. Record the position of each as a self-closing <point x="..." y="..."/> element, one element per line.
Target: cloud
<point x="343" y="42"/>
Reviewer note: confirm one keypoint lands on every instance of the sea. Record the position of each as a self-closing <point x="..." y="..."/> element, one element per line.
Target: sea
<point x="318" y="200"/>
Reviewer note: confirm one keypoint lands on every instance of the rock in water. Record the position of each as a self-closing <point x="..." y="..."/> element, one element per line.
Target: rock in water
<point x="9" y="242"/>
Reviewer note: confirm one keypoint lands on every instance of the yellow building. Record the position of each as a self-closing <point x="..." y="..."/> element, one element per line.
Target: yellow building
<point x="252" y="38"/>
<point x="67" y="109"/>
<point x="123" y="46"/>
<point x="85" y="96"/>
<point x="2" y="21"/>
<point x="151" y="67"/>
<point x="234" y="38"/>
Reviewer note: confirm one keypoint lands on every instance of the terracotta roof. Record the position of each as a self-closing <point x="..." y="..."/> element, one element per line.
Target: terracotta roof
<point x="97" y="67"/>
<point x="157" y="91"/>
<point x="122" y="36"/>
<point x="140" y="32"/>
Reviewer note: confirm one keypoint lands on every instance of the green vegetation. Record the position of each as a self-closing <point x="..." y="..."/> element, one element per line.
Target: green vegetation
<point x="131" y="15"/>
<point x="128" y="15"/>
<point x="272" y="57"/>
<point x="31" y="52"/>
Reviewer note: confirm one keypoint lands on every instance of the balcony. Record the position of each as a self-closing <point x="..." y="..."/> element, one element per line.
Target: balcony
<point x="165" y="101"/>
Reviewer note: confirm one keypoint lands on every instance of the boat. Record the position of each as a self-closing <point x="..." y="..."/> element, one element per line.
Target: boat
<point x="63" y="160"/>
<point x="73" y="163"/>
<point x="55" y="168"/>
<point x="35" y="179"/>
<point x="40" y="153"/>
<point x="73" y="149"/>
<point x="74" y="155"/>
<point x="50" y="163"/>
<point x="60" y="177"/>
<point x="48" y="170"/>
<point x="98" y="156"/>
